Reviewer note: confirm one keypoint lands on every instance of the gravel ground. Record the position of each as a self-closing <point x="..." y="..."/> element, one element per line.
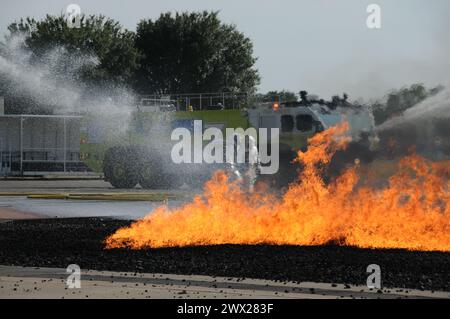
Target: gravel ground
<point x="60" y="242"/>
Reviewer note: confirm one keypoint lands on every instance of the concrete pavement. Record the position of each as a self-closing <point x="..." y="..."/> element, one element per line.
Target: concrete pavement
<point x="21" y="282"/>
<point x="25" y="198"/>
<point x="25" y="186"/>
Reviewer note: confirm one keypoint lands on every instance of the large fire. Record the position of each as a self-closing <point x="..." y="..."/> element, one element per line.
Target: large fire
<point x="412" y="211"/>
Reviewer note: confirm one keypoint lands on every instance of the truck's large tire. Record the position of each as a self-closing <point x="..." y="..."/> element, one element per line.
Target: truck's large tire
<point x="121" y="166"/>
<point x="151" y="177"/>
<point x="152" y="174"/>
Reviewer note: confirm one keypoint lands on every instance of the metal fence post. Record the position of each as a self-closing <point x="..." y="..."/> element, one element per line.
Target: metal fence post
<point x="1" y="156"/>
<point x="65" y="144"/>
<point x="21" y="145"/>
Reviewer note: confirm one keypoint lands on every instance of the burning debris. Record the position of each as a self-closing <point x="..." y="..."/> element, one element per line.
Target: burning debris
<point x="410" y="212"/>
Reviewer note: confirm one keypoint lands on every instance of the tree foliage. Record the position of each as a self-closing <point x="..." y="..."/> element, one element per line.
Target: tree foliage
<point x="194" y="52"/>
<point x="279" y="96"/>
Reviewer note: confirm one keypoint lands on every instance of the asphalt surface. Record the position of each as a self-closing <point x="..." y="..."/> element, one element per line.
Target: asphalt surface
<point x="17" y="190"/>
<point x="37" y="185"/>
<point x="58" y="208"/>
<point x="60" y="242"/>
<point x="73" y="185"/>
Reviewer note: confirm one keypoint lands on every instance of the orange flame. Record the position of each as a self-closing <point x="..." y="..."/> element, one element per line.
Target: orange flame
<point x="411" y="212"/>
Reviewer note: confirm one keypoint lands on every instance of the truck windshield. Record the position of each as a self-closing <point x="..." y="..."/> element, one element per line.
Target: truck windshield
<point x="287" y="123"/>
<point x="304" y="122"/>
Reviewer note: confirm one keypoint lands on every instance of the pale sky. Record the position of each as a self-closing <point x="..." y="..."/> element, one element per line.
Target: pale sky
<point x="322" y="46"/>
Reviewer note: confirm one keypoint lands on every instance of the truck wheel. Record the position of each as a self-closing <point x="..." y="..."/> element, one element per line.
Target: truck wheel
<point x="151" y="173"/>
<point x="148" y="176"/>
<point x="155" y="182"/>
<point x="153" y="178"/>
<point x="120" y="168"/>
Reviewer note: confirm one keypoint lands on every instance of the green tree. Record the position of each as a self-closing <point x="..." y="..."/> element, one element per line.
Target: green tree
<point x="194" y="52"/>
<point x="279" y="96"/>
<point x="98" y="36"/>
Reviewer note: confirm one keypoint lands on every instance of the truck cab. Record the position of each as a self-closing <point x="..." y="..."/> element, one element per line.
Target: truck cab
<point x="298" y="121"/>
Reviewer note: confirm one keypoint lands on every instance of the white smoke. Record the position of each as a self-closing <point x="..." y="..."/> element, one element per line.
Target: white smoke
<point x="52" y="81"/>
<point x="425" y="126"/>
<point x="434" y="107"/>
<point x="48" y="81"/>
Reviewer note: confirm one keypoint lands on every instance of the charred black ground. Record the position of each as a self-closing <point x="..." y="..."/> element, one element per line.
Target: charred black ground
<point x="60" y="242"/>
